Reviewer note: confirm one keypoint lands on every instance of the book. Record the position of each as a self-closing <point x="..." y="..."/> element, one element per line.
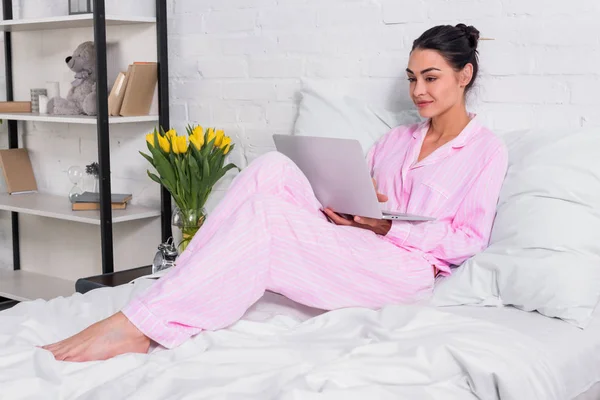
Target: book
<point x="115" y="98"/>
<point x="15" y="106"/>
<point x="17" y="171"/>
<point x="94" y="197"/>
<point x="96" y="206"/>
<point x="141" y="85"/>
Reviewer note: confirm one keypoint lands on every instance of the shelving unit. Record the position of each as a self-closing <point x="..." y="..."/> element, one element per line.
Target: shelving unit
<point x="58" y="207"/>
<point x="68" y="21"/>
<point x="74" y="119"/>
<point x="24" y="285"/>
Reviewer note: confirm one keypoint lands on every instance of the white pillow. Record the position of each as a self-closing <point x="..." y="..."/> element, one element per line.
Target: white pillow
<point x="327" y="113"/>
<point x="544" y="251"/>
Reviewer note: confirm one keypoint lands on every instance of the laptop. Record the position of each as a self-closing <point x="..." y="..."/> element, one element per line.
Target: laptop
<point x="339" y="175"/>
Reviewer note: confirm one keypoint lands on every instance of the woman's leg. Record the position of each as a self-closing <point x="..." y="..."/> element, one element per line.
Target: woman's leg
<point x="279" y="241"/>
<point x="271" y="244"/>
<point x="270" y="174"/>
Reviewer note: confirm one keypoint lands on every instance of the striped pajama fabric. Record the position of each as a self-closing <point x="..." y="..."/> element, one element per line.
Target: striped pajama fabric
<point x="458" y="184"/>
<point x="269" y="233"/>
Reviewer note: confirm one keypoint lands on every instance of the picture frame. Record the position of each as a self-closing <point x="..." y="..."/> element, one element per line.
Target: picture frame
<point x="77" y="7"/>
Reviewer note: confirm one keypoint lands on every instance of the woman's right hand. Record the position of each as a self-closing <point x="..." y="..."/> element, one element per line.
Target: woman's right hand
<point x="379" y="226"/>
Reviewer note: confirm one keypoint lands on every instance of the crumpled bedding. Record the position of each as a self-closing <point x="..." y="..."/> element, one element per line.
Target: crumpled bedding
<point x="280" y="350"/>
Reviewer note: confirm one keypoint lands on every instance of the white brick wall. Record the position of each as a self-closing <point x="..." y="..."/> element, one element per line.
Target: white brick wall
<point x="237" y="64"/>
<point x="541" y="69"/>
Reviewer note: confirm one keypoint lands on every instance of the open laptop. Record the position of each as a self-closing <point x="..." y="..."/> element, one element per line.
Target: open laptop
<point x="339" y="175"/>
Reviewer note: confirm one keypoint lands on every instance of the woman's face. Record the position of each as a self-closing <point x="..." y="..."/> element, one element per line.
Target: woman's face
<point x="435" y="87"/>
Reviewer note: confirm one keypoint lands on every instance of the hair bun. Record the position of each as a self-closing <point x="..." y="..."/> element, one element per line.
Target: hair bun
<point x="471" y="33"/>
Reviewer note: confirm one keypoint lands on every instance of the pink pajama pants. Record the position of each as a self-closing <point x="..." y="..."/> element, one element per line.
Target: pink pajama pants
<point x="268" y="233"/>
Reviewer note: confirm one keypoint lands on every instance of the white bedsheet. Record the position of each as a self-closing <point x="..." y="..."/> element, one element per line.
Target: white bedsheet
<point x="281" y="351"/>
<point x="574" y="352"/>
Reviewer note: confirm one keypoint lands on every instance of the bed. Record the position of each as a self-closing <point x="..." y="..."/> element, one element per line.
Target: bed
<point x="516" y="321"/>
<point x="282" y="350"/>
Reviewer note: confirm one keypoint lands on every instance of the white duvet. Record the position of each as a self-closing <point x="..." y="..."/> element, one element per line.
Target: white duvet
<point x="280" y="351"/>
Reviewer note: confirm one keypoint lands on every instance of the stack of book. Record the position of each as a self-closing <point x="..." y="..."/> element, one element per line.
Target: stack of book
<point x="91" y="201"/>
<point x="133" y="91"/>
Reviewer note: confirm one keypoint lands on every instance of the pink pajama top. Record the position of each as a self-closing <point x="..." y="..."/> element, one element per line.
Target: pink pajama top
<point x="458" y="184"/>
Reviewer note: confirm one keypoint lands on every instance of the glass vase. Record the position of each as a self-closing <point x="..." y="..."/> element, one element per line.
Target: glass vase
<point x="187" y="222"/>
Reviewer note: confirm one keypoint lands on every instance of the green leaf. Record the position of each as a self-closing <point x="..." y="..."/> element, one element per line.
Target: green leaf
<point x="205" y="169"/>
<point x="149" y="145"/>
<point x="216" y="166"/>
<point x="184" y="177"/>
<point x="223" y="171"/>
<point x="196" y="153"/>
<point x="209" y="146"/>
<point x="229" y="167"/>
<point x="154" y="178"/>
<point x="194" y="181"/>
<point x="164" y="167"/>
<point x="147" y="157"/>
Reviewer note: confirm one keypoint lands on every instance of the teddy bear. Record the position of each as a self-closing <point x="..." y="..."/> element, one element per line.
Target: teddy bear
<point x="81" y="99"/>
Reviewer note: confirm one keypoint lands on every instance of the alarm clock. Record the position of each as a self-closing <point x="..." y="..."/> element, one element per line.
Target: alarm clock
<point x="165" y="256"/>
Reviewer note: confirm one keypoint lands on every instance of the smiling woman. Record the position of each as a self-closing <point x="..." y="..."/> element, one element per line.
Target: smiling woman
<point x="457" y="45"/>
<point x="442" y="69"/>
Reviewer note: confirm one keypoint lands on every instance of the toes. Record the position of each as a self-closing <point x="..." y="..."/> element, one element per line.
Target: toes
<point x="57" y="350"/>
<point x="52" y="347"/>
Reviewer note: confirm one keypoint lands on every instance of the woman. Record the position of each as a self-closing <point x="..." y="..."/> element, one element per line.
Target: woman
<point x="270" y="232"/>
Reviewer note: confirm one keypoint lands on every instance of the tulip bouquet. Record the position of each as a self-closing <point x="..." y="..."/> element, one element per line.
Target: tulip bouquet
<point x="188" y="167"/>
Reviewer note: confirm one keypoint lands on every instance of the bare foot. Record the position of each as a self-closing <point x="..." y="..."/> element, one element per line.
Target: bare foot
<point x="101" y="341"/>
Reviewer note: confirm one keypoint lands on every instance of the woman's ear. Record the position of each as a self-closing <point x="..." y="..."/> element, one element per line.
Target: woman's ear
<point x="466" y="75"/>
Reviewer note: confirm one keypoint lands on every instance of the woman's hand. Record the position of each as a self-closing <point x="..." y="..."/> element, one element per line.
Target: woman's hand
<point x="379" y="226"/>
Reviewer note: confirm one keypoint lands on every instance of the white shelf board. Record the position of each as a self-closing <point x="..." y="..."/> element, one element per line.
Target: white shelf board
<point x="59" y="207"/>
<point x="68" y="21"/>
<point x="74" y="119"/>
<point x="24" y="286"/>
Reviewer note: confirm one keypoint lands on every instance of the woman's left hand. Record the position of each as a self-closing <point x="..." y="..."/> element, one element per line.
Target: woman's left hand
<point x="379" y="226"/>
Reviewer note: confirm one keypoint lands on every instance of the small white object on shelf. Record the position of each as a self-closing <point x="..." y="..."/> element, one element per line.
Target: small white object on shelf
<point x="43" y="104"/>
<point x="24" y="286"/>
<point x="59" y="207"/>
<point x="53" y="89"/>
<point x="74" y="119"/>
<point x="69" y="21"/>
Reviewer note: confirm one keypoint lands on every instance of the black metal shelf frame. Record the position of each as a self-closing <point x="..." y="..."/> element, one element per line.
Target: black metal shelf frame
<point x="103" y="126"/>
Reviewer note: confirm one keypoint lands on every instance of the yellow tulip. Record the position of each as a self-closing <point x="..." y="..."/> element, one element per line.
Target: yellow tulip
<point x="199" y="131"/>
<point x="180" y="144"/>
<point x="164" y="144"/>
<point x="171" y="133"/>
<point x="197" y="141"/>
<point x="226" y="144"/>
<point x="150" y="139"/>
<point x="211" y="134"/>
<point x="219" y="137"/>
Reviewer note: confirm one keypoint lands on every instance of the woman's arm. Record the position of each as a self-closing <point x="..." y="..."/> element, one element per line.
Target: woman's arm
<point x="468" y="232"/>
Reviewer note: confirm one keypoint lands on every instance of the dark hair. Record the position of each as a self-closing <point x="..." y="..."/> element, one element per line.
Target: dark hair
<point x="457" y="44"/>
